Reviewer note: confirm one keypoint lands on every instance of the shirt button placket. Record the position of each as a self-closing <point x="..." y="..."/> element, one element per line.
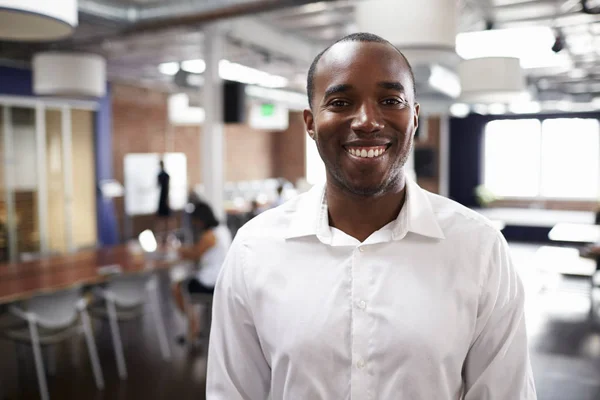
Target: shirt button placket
<point x="360" y="324"/>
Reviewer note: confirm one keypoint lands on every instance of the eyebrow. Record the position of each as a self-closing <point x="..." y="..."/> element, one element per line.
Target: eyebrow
<point x="337" y="89"/>
<point x="392" y="86"/>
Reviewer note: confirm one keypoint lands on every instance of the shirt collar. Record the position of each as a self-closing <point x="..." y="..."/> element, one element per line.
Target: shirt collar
<point x="309" y="215"/>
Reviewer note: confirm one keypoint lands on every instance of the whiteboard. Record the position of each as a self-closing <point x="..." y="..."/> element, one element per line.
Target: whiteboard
<point x="141" y="182"/>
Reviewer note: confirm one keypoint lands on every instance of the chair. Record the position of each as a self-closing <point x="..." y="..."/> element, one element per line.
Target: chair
<point x="123" y="299"/>
<point x="8" y="320"/>
<point x="202" y="299"/>
<point x="49" y="320"/>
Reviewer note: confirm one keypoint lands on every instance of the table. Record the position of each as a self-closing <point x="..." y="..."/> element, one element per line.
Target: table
<point x="563" y="260"/>
<point x="20" y="281"/>
<point x="536" y="217"/>
<point x="576" y="233"/>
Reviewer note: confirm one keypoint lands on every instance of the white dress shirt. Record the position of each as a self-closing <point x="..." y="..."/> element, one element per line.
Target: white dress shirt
<point x="429" y="307"/>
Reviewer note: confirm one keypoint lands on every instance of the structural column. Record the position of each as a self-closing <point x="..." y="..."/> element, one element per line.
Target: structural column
<point x="213" y="143"/>
<point x="444" y="158"/>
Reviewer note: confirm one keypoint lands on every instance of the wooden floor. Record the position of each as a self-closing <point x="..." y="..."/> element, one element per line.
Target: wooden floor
<point x="565" y="350"/>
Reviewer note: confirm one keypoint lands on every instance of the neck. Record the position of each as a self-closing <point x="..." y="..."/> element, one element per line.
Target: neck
<point x="360" y="216"/>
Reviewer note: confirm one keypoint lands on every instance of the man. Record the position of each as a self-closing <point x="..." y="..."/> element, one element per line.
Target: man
<point x="369" y="288"/>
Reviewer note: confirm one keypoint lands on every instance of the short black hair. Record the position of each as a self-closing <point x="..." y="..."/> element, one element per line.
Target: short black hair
<point x="354" y="37"/>
<point x="203" y="212"/>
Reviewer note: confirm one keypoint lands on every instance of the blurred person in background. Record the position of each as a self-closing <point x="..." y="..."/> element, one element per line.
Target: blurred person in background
<point x="280" y="199"/>
<point x="211" y="242"/>
<point x="164" y="210"/>
<point x="368" y="287"/>
<point x="255" y="209"/>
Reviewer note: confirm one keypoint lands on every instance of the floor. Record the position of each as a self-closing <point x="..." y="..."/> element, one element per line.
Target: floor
<point x="565" y="349"/>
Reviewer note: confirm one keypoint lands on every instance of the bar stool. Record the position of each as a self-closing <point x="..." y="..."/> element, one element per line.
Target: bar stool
<point x="49" y="320"/>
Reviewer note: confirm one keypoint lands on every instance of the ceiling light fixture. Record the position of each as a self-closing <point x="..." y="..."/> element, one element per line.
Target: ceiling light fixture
<point x="460" y="110"/>
<point x="492" y="80"/>
<point x="228" y="71"/>
<point x="526" y="107"/>
<point x="428" y="27"/>
<point x="590" y="6"/>
<point x="37" y="20"/>
<point x="69" y="74"/>
<point x="532" y="46"/>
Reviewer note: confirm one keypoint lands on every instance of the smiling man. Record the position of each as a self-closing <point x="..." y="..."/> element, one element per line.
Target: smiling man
<point x="368" y="287"/>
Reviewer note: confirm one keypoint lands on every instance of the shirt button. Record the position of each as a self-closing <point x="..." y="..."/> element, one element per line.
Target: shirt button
<point x="361" y="364"/>
<point x="361" y="249"/>
<point x="362" y="304"/>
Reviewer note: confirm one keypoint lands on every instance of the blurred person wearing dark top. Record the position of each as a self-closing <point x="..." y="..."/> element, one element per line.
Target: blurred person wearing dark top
<point x="210" y="244"/>
<point x="254" y="210"/>
<point x="279" y="200"/>
<point x="164" y="210"/>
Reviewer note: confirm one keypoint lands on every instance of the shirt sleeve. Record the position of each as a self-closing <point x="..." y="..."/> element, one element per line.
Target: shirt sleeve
<point x="237" y="368"/>
<point x="497" y="365"/>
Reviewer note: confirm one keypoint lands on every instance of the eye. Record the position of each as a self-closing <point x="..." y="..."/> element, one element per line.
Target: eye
<point x="394" y="102"/>
<point x="338" y="103"/>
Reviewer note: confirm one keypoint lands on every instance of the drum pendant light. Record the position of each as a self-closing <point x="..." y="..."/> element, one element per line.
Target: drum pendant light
<point x="69" y="74"/>
<point x="423" y="30"/>
<point x="37" y="20"/>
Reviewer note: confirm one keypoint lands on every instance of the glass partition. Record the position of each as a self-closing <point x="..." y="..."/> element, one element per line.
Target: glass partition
<point x="4" y="251"/>
<point x="47" y="181"/>
<point x="55" y="182"/>
<point x="23" y="162"/>
<point x="83" y="220"/>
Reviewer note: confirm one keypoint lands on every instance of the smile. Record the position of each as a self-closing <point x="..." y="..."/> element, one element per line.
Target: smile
<point x="367" y="151"/>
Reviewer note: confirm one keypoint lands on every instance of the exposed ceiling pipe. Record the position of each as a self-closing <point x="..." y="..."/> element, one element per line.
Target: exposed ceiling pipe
<point x="526" y="3"/>
<point x="107" y="11"/>
<point x="196" y="16"/>
<point x="540" y="18"/>
<point x="191" y="16"/>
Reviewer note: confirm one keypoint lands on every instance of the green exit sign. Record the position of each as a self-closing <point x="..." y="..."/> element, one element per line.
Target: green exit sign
<point x="267" y="110"/>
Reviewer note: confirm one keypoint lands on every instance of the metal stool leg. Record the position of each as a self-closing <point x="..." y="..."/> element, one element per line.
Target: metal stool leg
<point x="91" y="344"/>
<point x="116" y="337"/>
<point x="160" y="324"/>
<point x="39" y="362"/>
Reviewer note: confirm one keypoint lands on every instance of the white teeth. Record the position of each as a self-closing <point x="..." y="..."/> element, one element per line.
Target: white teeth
<point x="371" y="153"/>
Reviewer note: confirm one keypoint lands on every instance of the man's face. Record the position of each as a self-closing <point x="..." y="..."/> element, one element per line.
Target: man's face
<point x="363" y="117"/>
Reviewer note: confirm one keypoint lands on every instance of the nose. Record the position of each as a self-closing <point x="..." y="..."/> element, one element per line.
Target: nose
<point x="368" y="118"/>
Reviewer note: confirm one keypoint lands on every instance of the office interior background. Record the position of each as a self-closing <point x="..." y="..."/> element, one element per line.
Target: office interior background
<point x="94" y="93"/>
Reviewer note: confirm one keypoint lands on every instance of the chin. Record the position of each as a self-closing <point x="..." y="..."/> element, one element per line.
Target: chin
<point x="364" y="189"/>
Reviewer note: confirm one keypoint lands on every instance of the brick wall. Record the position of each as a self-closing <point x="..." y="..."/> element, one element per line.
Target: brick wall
<point x="140" y="125"/>
<point x="289" y="150"/>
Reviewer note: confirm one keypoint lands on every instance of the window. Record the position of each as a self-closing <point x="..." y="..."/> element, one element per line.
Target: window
<point x="557" y="158"/>
<point x="570" y="158"/>
<point x="512" y="157"/>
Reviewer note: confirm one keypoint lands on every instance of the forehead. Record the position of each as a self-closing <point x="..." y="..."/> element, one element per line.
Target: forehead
<point x="360" y="62"/>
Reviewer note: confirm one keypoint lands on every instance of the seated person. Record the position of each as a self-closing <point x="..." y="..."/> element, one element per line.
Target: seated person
<point x="211" y="242"/>
<point x="254" y="210"/>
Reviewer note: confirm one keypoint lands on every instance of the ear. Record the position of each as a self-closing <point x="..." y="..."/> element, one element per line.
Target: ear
<point x="309" y="121"/>
<point x="417" y="110"/>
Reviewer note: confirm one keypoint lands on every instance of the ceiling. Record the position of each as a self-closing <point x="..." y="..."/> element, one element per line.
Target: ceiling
<point x="282" y="36"/>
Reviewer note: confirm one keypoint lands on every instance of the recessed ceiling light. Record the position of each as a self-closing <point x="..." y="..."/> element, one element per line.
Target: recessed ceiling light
<point x="168" y="68"/>
<point x="577" y="73"/>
